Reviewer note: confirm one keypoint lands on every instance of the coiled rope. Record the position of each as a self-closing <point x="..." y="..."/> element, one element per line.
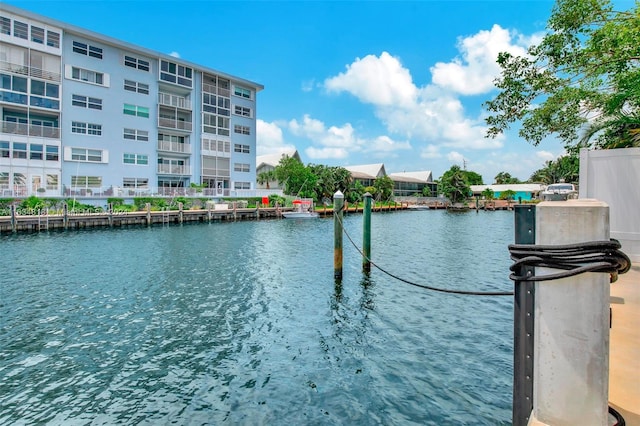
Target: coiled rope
<point x="573" y="259"/>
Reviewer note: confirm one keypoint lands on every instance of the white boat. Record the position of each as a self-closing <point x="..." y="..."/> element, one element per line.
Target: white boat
<point x="302" y="209"/>
<point x="559" y="192"/>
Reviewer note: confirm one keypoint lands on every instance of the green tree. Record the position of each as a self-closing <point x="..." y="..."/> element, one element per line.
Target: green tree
<point x="509" y="194"/>
<point x="563" y="169"/>
<point x="297" y="179"/>
<point x="504" y="178"/>
<point x="265" y="178"/>
<point x="582" y="77"/>
<point x="488" y="194"/>
<point x="472" y="178"/>
<point x="454" y="185"/>
<point x="384" y="188"/>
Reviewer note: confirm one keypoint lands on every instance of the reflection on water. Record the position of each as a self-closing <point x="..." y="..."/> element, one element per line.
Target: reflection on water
<point x="243" y="323"/>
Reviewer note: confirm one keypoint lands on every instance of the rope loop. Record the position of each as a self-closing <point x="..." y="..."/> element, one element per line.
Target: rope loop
<point x="572" y="259"/>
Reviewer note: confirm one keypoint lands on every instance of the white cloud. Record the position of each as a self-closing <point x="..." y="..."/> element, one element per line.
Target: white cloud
<point x="430" y="151"/>
<point x="455" y="157"/>
<point x="545" y="156"/>
<point x="269" y="139"/>
<point x="433" y="113"/>
<point x="174" y="54"/>
<point x="473" y="73"/>
<point x="381" y="81"/>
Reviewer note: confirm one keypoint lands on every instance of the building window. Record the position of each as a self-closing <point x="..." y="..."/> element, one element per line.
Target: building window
<point x="86" y="181"/>
<point x="52" y="153"/>
<point x="52" y="182"/>
<point x="86" y="128"/>
<point x="5" y="150"/>
<point x="243" y="130"/>
<point x="13" y="83"/>
<point x="136" y="110"/>
<point x="86" y="102"/>
<point x="87" y="50"/>
<point x="242" y="92"/>
<point x="47" y="94"/>
<point x="20" y="30"/>
<point x="135" y="182"/>
<point x="241" y="185"/>
<point x="136" y="135"/>
<point x="244" y="149"/>
<point x="241" y="167"/>
<point x="87" y="76"/>
<point x="20" y="150"/>
<point x="86" y="155"/>
<point x="5" y="25"/>
<point x="243" y="111"/>
<point x="139" y="159"/>
<point x="37" y="35"/>
<point x="35" y="151"/>
<point x="175" y="73"/>
<point x="53" y="39"/>
<point x="133" y="62"/>
<point x="134" y="86"/>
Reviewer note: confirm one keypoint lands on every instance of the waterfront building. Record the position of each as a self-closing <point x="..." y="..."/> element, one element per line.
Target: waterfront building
<point x="524" y="191"/>
<point x="366" y="174"/>
<point x="411" y="184"/>
<point x="267" y="163"/>
<point x="84" y="114"/>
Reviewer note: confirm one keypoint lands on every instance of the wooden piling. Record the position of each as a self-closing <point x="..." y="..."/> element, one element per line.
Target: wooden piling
<point x="366" y="234"/>
<point x="338" y="205"/>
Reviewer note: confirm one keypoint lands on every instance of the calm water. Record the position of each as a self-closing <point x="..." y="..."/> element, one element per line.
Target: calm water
<point x="242" y="323"/>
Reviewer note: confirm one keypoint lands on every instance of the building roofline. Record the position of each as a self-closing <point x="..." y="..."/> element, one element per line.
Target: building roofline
<point x="102" y="38"/>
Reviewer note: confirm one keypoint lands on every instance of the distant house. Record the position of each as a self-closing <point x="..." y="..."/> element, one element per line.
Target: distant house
<point x="524" y="191"/>
<point x="408" y="184"/>
<point x="268" y="163"/>
<point x="366" y="174"/>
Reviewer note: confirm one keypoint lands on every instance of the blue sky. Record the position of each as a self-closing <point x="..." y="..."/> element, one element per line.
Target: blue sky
<point x="349" y="83"/>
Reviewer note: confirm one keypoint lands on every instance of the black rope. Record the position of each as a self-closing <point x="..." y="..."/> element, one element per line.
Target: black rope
<point x="428" y="287"/>
<point x="572" y="259"/>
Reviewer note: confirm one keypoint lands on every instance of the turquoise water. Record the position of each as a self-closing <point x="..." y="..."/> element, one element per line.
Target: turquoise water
<point x="243" y="323"/>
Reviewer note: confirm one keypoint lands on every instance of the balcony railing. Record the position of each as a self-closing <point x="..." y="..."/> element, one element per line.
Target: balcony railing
<point x="170" y="169"/>
<point x="171" y="123"/>
<point x="30" y="130"/>
<point x="210" y="88"/>
<point x="174" y="101"/>
<point x="183" y="148"/>
<point x="32" y="71"/>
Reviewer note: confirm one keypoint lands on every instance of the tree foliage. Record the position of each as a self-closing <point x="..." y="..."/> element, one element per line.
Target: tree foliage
<point x="579" y="84"/>
<point x="504" y="178"/>
<point x="563" y="169"/>
<point x="454" y="185"/>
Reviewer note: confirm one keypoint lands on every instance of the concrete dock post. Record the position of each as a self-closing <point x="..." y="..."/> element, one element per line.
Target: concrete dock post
<point x="571" y="335"/>
<point x="65" y="215"/>
<point x="338" y="207"/>
<point x="366" y="234"/>
<point x="110" y="210"/>
<point x="148" y="207"/>
<point x="14" y="219"/>
<point x="180" y="212"/>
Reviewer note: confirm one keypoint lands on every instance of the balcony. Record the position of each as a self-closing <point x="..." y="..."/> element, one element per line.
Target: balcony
<point x="174" y="101"/>
<point x="177" y="147"/>
<point x="31" y="71"/>
<point x="30" y="130"/>
<point x="215" y="90"/>
<point x="172" y="123"/>
<point x="171" y="169"/>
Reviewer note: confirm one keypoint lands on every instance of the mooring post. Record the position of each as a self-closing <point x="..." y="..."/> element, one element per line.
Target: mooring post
<point x="338" y="205"/>
<point x="180" y="212"/>
<point x="148" y="207"/>
<point x="571" y="336"/>
<point x="523" y="323"/>
<point x="65" y="215"/>
<point x="366" y="234"/>
<point x="110" y="209"/>
<point x="14" y="225"/>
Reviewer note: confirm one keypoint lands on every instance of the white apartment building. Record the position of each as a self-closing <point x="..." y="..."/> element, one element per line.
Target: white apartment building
<point x="86" y="115"/>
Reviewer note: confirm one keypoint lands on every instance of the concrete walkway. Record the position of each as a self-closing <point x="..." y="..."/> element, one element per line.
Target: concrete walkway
<point x="624" y="351"/>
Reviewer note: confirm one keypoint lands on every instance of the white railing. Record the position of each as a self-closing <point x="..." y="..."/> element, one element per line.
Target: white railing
<point x="32" y="71"/>
<point x="210" y="88"/>
<point x="183" y="148"/>
<point x="174" y="101"/>
<point x="170" y="169"/>
<point x="171" y="123"/>
<point x="30" y="130"/>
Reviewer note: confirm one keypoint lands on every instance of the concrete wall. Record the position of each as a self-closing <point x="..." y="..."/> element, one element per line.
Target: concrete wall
<point x="613" y="176"/>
